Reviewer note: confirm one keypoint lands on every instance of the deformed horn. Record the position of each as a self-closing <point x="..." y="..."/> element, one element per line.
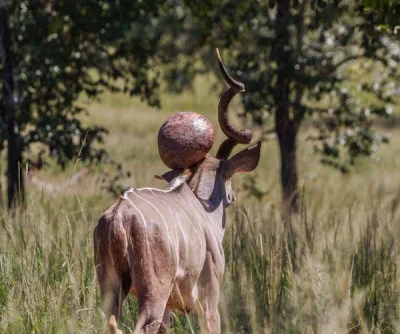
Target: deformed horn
<point x="234" y="135"/>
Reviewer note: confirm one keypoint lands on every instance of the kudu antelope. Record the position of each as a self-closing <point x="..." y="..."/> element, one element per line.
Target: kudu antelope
<point x="165" y="246"/>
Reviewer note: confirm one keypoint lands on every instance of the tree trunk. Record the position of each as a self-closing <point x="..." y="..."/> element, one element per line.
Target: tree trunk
<point x="14" y="171"/>
<point x="287" y="144"/>
<point x="286" y="128"/>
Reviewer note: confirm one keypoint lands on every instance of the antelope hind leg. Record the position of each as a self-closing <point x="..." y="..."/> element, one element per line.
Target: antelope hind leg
<point x="165" y="322"/>
<point x="113" y="295"/>
<point x="209" y="319"/>
<point x="152" y="309"/>
<point x="150" y="318"/>
<point x="112" y="302"/>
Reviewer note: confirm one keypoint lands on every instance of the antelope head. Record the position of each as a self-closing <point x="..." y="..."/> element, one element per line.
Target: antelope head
<point x="210" y="178"/>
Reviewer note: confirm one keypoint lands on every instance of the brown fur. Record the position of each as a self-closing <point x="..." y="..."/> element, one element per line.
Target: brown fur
<point x="165" y="247"/>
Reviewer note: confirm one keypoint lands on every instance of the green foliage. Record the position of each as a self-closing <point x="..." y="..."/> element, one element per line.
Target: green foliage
<point x="388" y="12"/>
<point x="342" y="72"/>
<point x="62" y="50"/>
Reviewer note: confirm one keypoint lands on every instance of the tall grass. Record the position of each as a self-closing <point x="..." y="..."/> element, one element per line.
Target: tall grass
<point x="317" y="273"/>
<point x="332" y="268"/>
<point x="323" y="271"/>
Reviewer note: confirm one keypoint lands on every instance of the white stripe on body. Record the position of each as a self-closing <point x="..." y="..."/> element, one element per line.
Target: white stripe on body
<point x="176" y="230"/>
<point x="201" y="228"/>
<point x="183" y="209"/>
<point x="165" y="223"/>
<point x="149" y="188"/>
<point x="194" y="292"/>
<point x="171" y="187"/>
<point x="178" y="273"/>
<point x="124" y="196"/>
<point x="179" y="225"/>
<point x="109" y="237"/>
<point x="193" y="209"/>
<point x="181" y="200"/>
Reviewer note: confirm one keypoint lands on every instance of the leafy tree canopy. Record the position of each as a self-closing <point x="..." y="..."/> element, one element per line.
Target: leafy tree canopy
<point x="342" y="71"/>
<point x="388" y="12"/>
<point x="62" y="49"/>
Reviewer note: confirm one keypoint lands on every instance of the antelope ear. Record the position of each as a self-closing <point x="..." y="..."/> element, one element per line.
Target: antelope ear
<point x="178" y="180"/>
<point x="169" y="176"/>
<point x="244" y="161"/>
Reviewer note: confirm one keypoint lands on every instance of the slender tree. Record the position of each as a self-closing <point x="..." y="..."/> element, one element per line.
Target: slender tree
<point x="8" y="109"/>
<point x="285" y="127"/>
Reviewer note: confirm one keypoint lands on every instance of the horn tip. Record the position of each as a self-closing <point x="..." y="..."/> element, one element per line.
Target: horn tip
<point x="218" y="55"/>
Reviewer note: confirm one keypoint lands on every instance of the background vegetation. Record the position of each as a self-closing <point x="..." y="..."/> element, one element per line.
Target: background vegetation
<point x="332" y="267"/>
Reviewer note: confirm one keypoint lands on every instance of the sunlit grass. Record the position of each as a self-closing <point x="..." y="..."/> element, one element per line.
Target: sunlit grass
<point x="334" y="268"/>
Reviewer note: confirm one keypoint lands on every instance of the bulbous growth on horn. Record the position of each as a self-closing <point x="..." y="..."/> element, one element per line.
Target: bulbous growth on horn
<point x="235" y="136"/>
<point x="184" y="139"/>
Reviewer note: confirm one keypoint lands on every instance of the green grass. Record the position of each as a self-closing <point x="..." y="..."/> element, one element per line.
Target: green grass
<point x="334" y="268"/>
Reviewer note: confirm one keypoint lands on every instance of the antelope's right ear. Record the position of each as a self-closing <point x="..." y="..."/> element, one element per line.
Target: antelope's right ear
<point x="169" y="176"/>
<point x="244" y="161"/>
